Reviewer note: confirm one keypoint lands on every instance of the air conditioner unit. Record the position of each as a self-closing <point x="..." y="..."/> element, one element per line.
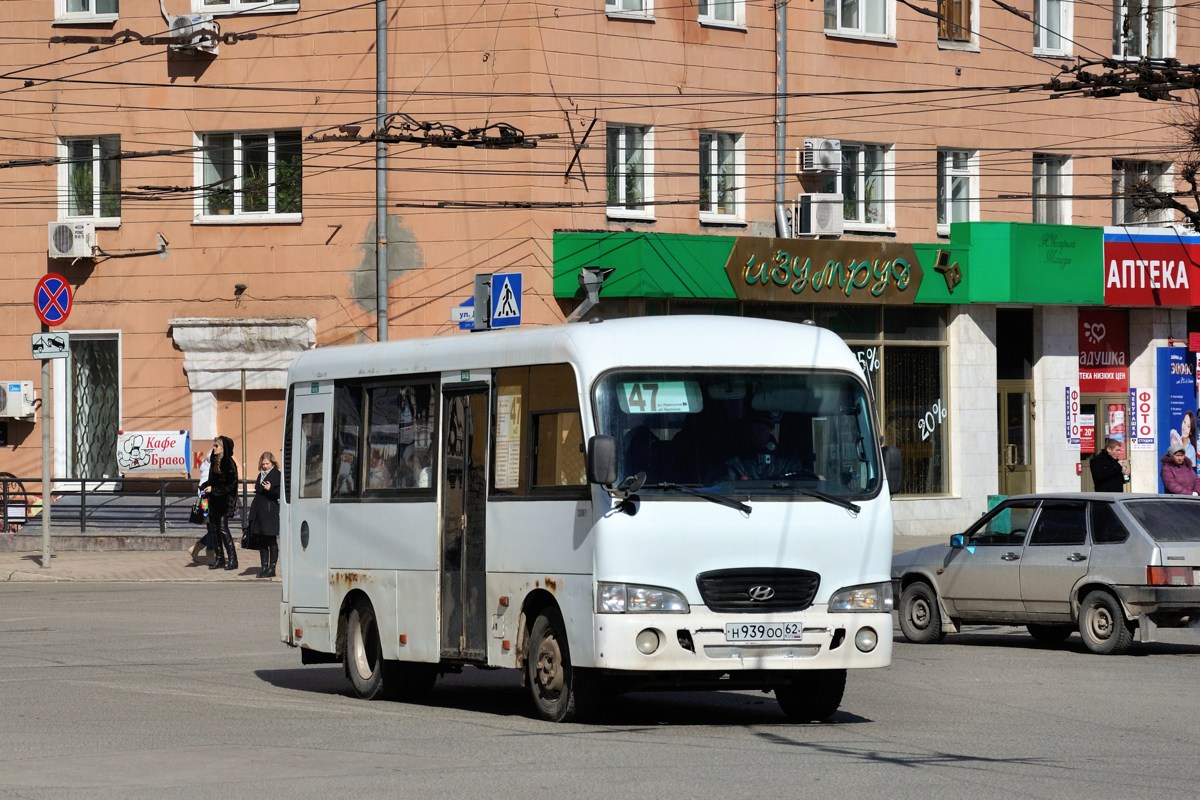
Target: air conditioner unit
<point x="819" y="215"/>
<point x="71" y="239"/>
<point x="16" y="400"/>
<point x="194" y="32"/>
<point x="821" y="155"/>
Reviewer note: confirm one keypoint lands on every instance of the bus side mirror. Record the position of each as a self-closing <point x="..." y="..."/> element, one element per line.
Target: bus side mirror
<point x="892" y="467"/>
<point x="602" y="460"/>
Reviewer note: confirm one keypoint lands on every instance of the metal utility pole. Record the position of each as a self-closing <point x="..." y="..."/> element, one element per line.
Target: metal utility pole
<point x="781" y="83"/>
<point x="381" y="84"/>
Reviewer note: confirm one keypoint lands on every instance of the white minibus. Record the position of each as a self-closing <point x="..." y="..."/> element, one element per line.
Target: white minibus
<point x="634" y="504"/>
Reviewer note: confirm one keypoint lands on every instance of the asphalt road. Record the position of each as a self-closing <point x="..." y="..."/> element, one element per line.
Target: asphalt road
<point x="183" y="690"/>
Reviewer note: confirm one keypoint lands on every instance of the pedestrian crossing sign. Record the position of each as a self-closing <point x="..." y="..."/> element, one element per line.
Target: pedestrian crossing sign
<point x="506" y="299"/>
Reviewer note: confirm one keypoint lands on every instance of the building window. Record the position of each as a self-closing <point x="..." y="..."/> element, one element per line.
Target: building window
<point x="957" y="183"/>
<point x="636" y="8"/>
<point x="241" y="6"/>
<point x="1143" y="29"/>
<point x="864" y="183"/>
<point x="251" y="174"/>
<point x="954" y="20"/>
<point x="722" y="12"/>
<point x="90" y="10"/>
<point x="1127" y="175"/>
<point x="90" y="179"/>
<point x="630" y="184"/>
<point x="858" y="17"/>
<point x="1051" y="189"/>
<point x="720" y="175"/>
<point x="1052" y="27"/>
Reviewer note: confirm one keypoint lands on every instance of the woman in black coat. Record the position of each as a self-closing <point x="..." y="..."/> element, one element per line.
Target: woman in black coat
<point x="264" y="513"/>
<point x="222" y="489"/>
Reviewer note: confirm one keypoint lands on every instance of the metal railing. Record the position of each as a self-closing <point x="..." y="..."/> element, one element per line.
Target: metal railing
<point x="95" y="505"/>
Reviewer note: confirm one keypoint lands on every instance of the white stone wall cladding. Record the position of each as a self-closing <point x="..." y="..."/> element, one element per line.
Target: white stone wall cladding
<point x="1149" y="329"/>
<point x="216" y="350"/>
<point x="1055" y="367"/>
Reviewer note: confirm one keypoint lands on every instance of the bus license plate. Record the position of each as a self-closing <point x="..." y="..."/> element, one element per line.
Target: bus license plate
<point x="764" y="632"/>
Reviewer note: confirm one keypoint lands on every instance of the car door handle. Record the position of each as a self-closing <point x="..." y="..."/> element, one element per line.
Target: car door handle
<point x="1077" y="557"/>
<point x="1009" y="557"/>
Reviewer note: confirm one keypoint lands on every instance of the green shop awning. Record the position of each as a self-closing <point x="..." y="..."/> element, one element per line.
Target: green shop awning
<point x="645" y="264"/>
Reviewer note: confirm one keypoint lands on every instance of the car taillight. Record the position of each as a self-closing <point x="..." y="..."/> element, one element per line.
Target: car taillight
<point x="1170" y="576"/>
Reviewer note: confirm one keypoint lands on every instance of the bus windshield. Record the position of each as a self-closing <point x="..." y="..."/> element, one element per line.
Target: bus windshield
<point x="741" y="432"/>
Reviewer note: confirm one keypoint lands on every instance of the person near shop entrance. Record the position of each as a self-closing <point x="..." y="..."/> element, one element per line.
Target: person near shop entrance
<point x="1108" y="473"/>
<point x="221" y="489"/>
<point x="1178" y="472"/>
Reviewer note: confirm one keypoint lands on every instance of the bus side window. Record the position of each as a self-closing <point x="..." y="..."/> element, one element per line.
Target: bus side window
<point x="559" y="459"/>
<point x="312" y="428"/>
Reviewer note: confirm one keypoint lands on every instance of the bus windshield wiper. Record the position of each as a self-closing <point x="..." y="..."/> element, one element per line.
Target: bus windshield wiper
<point x="828" y="498"/>
<point x="719" y="499"/>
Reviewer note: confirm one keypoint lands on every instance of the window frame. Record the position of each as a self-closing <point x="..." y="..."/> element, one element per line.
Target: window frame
<point x="944" y="173"/>
<point x="1057" y="197"/>
<point x="1062" y="27"/>
<point x="968" y="37"/>
<point x="710" y="19"/>
<point x="833" y="14"/>
<point x="205" y="185"/>
<point x="228" y="7"/>
<point x="1122" y="212"/>
<point x="65" y="178"/>
<point x="613" y="9"/>
<point x="1163" y="10"/>
<point x="857" y="172"/>
<point x="62" y="14"/>
<point x="712" y="148"/>
<point x="623" y="210"/>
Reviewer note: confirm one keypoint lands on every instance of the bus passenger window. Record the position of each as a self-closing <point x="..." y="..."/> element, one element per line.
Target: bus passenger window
<point x="559" y="459"/>
<point x="312" y="429"/>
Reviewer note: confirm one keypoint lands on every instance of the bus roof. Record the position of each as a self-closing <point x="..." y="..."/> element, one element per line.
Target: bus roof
<point x="660" y="341"/>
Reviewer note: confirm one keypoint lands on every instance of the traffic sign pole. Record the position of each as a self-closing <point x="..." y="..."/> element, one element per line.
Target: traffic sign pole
<point x="47" y="461"/>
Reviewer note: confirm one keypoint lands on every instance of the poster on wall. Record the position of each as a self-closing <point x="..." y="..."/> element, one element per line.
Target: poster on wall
<point x="1087" y="433"/>
<point x="1144" y="425"/>
<point x="1072" y="417"/>
<point x="1176" y="400"/>
<point x="154" y="452"/>
<point x="1103" y="351"/>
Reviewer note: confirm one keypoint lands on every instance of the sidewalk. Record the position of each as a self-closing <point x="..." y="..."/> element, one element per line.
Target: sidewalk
<point x="112" y="566"/>
<point x="116" y="566"/>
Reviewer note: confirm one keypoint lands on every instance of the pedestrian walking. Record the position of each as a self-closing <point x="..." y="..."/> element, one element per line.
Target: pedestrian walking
<point x="264" y="513"/>
<point x="221" y="488"/>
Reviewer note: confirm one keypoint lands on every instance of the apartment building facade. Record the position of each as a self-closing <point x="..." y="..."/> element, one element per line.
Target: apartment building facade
<point x="215" y="165"/>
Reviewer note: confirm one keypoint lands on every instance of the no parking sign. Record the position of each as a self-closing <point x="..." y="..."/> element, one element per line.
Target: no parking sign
<point x="52" y="299"/>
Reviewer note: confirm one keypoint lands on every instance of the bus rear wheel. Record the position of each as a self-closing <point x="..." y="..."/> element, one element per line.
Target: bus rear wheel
<point x="363" y="660"/>
<point x="560" y="692"/>
<point x="813" y="696"/>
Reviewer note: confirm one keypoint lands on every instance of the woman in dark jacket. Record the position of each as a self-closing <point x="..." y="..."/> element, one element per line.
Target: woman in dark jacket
<point x="1178" y="474"/>
<point x="264" y="513"/>
<point x="222" y="489"/>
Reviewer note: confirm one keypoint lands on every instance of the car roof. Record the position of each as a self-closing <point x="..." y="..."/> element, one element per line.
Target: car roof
<point x="1111" y="497"/>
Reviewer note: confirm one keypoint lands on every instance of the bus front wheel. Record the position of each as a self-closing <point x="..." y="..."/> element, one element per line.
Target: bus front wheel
<point x="560" y="692"/>
<point x="813" y="696"/>
<point x="363" y="660"/>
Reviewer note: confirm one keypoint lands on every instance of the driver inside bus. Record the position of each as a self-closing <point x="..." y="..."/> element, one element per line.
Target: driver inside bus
<point x="756" y="456"/>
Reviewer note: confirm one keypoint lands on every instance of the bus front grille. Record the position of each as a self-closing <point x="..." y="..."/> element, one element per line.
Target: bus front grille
<point x="754" y="590"/>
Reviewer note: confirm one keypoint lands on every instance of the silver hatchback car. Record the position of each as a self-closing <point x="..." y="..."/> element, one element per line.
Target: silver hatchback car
<point x="1104" y="564"/>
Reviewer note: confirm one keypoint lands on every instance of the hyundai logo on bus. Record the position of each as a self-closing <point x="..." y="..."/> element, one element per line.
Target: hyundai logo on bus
<point x="760" y="593"/>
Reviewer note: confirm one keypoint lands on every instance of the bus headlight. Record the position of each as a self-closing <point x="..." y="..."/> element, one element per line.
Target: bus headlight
<point x="868" y="597"/>
<point x="631" y="598"/>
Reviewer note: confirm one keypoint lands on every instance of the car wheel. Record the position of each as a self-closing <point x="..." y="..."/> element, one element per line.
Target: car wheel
<point x="1049" y="634"/>
<point x="920" y="619"/>
<point x="813" y="696"/>
<point x="1103" y="626"/>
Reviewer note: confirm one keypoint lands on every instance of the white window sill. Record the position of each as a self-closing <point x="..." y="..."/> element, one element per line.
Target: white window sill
<point x="963" y="47"/>
<point x="1040" y="53"/>
<point x="633" y="216"/>
<point x="266" y="8"/>
<point x="722" y="219"/>
<point x="708" y="22"/>
<point x="248" y="219"/>
<point x="860" y="37"/>
<point x="849" y="226"/>
<point x="629" y="16"/>
<point x="86" y="19"/>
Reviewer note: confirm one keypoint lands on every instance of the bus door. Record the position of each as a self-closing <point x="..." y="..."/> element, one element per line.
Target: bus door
<point x="307" y="556"/>
<point x="464" y="496"/>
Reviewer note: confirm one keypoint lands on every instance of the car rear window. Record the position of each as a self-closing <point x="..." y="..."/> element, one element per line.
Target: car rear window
<point x="1168" y="520"/>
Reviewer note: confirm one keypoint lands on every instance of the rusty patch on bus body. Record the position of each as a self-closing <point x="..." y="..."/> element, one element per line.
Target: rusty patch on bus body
<point x="347" y="578"/>
<point x="551" y="584"/>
